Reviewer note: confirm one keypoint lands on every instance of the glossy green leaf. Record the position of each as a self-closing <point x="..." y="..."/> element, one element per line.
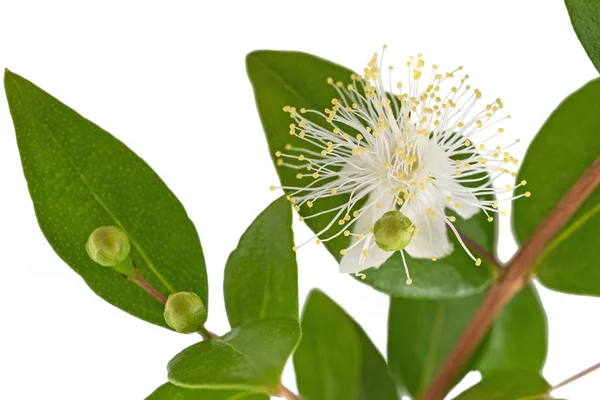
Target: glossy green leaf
<point x="168" y="391"/>
<point x="508" y="385"/>
<point x="565" y="147"/>
<point x="585" y="17"/>
<point x="261" y="274"/>
<point x="250" y="357"/>
<point x="518" y="338"/>
<point x="335" y="359"/>
<point x="80" y="177"/>
<point x="421" y="334"/>
<point x="299" y="79"/>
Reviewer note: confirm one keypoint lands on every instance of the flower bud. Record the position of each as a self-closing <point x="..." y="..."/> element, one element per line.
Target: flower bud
<point x="393" y="231"/>
<point x="185" y="312"/>
<point x="108" y="246"/>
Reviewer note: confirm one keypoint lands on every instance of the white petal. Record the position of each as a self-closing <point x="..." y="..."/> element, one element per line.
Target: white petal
<point x="432" y="237"/>
<point x="351" y="261"/>
<point x="465" y="210"/>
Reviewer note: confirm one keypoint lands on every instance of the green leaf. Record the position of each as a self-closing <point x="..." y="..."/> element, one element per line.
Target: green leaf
<point x="299" y="79"/>
<point x="564" y="148"/>
<point x="585" y="17"/>
<point x="421" y="334"/>
<point x="80" y="177"/>
<point x="335" y="359"/>
<point x="518" y="338"/>
<point x="508" y="385"/>
<point x="261" y="274"/>
<point x="168" y="391"/>
<point x="250" y="357"/>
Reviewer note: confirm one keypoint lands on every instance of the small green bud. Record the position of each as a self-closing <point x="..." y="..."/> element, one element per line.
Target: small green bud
<point x="393" y="231"/>
<point x="108" y="246"/>
<point x="185" y="312"/>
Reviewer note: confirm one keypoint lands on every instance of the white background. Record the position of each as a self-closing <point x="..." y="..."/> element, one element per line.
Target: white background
<point x="168" y="79"/>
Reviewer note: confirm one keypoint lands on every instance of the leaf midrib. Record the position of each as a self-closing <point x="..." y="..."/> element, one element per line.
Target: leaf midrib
<point x="436" y="334"/>
<point x="569" y="231"/>
<point x="98" y="199"/>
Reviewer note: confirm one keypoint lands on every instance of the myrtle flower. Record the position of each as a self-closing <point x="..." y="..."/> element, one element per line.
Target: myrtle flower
<point x="421" y="150"/>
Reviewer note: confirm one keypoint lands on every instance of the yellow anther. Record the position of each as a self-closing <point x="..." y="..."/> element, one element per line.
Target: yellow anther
<point x="527" y="194"/>
<point x="346" y="233"/>
<point x="294" y="248"/>
<point x="343" y="251"/>
<point x="365" y="254"/>
<point x="318" y="241"/>
<point x="277" y="154"/>
<point x="309" y="204"/>
<point x="408" y="281"/>
<point x="478" y="262"/>
<point x="271" y="188"/>
<point x="490" y="219"/>
<point x="301" y="157"/>
<point x="315" y="175"/>
<point x="333" y="190"/>
<point x="452" y="218"/>
<point x="299" y="176"/>
<point x="279" y="162"/>
<point x="433" y="258"/>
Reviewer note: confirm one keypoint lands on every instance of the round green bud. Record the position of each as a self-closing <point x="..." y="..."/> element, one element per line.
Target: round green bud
<point x="185" y="312"/>
<point x="393" y="231"/>
<point x="108" y="246"/>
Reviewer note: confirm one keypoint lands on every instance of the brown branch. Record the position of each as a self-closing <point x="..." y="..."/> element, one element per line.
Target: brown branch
<point x="576" y="376"/>
<point x="517" y="275"/>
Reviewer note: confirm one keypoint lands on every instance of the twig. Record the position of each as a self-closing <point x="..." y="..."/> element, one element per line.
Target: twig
<point x="287" y="393"/>
<point x="148" y="288"/>
<point x="576" y="376"/>
<point x="517" y="275"/>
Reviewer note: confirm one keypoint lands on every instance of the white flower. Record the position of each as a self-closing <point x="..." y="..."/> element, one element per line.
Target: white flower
<point x="412" y="151"/>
